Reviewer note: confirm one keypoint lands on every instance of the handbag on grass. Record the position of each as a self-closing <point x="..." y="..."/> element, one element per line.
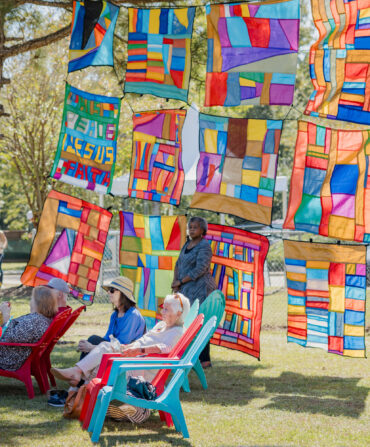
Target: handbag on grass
<point x="74" y="402"/>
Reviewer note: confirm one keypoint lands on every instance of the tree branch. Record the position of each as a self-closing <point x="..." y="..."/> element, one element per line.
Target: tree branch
<point x="33" y="44"/>
<point x="51" y="3"/>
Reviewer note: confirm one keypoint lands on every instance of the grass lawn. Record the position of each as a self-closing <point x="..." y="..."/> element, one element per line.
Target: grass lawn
<point x="6" y="266"/>
<point x="292" y="397"/>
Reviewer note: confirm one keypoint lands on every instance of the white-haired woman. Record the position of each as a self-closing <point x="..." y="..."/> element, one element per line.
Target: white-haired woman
<point x="161" y="339"/>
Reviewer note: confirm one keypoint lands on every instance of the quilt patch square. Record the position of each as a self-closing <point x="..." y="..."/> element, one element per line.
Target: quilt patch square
<point x="238" y="161"/>
<point x="322" y="312"/>
<point x="237" y="266"/>
<point x="149" y="248"/>
<point x="252" y="53"/>
<point x="340" y="62"/>
<point x="92" y="32"/>
<point x="159" y="54"/>
<point x="157" y="172"/>
<point x="87" y="146"/>
<point x="329" y="192"/>
<point x="75" y="253"/>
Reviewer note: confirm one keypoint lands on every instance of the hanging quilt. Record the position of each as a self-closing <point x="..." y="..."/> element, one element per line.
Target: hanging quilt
<point x="149" y="248"/>
<point x="237" y="266"/>
<point x="326" y="296"/>
<point x="237" y="166"/>
<point x="69" y="244"/>
<point x="93" y="23"/>
<point x="330" y="184"/>
<point x="340" y="61"/>
<point x="156" y="168"/>
<point x="252" y="53"/>
<point x="86" y="153"/>
<point x="159" y="58"/>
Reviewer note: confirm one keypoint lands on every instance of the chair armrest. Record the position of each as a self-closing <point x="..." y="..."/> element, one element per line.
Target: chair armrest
<point x="155" y="366"/>
<point x="143" y="364"/>
<point x="104" y="363"/>
<point x="121" y="381"/>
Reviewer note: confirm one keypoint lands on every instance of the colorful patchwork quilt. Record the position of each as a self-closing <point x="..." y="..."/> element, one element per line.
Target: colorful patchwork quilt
<point x="326" y="296"/>
<point x="87" y="147"/>
<point x="93" y="24"/>
<point x="252" y="53"/>
<point x="330" y="184"/>
<point x="150" y="246"/>
<point x="237" y="266"/>
<point x="340" y="61"/>
<point x="237" y="166"/>
<point x="69" y="244"/>
<point x="159" y="58"/>
<point x="156" y="167"/>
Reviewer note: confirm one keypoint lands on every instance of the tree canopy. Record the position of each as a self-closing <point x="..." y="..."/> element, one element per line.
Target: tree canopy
<point x="33" y="69"/>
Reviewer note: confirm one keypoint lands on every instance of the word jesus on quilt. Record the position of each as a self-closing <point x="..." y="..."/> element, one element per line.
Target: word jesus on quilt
<point x="87" y="146"/>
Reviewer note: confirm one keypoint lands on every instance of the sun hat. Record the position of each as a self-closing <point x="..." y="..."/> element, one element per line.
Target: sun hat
<point x="58" y="284"/>
<point x="124" y="285"/>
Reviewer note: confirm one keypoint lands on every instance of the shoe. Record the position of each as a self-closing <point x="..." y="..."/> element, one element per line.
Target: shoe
<point x="206" y="364"/>
<point x="60" y="393"/>
<point x="56" y="401"/>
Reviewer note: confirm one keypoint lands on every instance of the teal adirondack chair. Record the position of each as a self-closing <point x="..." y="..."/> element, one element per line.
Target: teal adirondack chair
<point x="213" y="305"/>
<point x="168" y="401"/>
<point x="193" y="312"/>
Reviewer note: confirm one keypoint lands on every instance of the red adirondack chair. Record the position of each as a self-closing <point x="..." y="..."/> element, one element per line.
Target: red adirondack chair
<point x="159" y="380"/>
<point x="32" y="366"/>
<point x="45" y="359"/>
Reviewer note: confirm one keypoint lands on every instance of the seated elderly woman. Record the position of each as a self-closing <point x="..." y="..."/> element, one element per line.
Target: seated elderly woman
<point x="27" y="328"/>
<point x="161" y="339"/>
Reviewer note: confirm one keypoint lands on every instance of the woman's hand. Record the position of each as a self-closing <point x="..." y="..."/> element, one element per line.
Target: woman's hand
<point x="5" y="308"/>
<point x="130" y="352"/>
<point x="176" y="285"/>
<point x="85" y="346"/>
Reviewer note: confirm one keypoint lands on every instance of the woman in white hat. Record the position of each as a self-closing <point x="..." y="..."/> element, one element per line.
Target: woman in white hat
<point x="161" y="339"/>
<point x="126" y="322"/>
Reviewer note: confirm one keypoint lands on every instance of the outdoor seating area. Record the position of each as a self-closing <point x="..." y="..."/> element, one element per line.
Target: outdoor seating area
<point x="316" y="392"/>
<point x="184" y="223"/>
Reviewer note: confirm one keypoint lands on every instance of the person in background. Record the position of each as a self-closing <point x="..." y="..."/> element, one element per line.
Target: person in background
<point x="161" y="339"/>
<point x="27" y="328"/>
<point x="126" y="322"/>
<point x="61" y="291"/>
<point x="192" y="275"/>
<point x="3" y="246"/>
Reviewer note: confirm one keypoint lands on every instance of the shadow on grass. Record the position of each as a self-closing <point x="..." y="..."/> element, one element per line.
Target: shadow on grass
<point x="332" y="396"/>
<point x="118" y="434"/>
<point x="113" y="433"/>
<point x="236" y="384"/>
<point x="35" y="431"/>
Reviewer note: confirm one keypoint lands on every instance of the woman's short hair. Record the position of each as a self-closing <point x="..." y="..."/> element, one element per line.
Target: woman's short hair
<point x="124" y="302"/>
<point x="179" y="302"/>
<point x="201" y="222"/>
<point x="45" y="301"/>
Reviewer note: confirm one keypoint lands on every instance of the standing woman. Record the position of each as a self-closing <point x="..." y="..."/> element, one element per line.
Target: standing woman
<point x="193" y="276"/>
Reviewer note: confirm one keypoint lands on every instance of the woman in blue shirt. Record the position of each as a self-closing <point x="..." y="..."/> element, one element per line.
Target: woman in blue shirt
<point x="126" y="322"/>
